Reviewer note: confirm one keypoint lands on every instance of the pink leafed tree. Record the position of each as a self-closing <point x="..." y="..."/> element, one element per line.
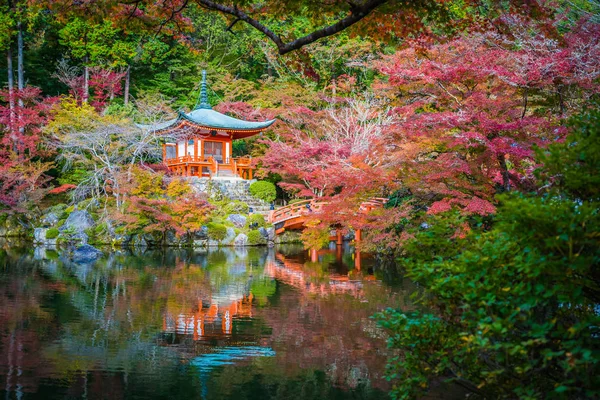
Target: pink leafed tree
<point x="21" y="155"/>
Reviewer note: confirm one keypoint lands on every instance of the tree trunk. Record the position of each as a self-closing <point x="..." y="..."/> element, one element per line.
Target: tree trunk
<point x="86" y="81"/>
<point x="126" y="94"/>
<point x="20" y="64"/>
<point x="11" y="97"/>
<point x="504" y="173"/>
<point x="20" y="71"/>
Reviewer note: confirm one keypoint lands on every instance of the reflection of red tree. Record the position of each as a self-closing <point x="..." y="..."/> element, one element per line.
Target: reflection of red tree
<point x="328" y="326"/>
<point x="21" y="318"/>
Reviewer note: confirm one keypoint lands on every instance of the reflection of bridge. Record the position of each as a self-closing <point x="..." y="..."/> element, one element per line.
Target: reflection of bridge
<point x="294" y="216"/>
<point x="294" y="274"/>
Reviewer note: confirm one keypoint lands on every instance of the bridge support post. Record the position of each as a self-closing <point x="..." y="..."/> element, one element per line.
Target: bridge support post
<point x="313" y="255"/>
<point x="338" y="234"/>
<point x="358" y="235"/>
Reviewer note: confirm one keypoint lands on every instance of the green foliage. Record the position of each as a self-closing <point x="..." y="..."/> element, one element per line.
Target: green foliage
<point x="256" y="221"/>
<point x="515" y="306"/>
<point x="216" y="231"/>
<point x="263" y="190"/>
<point x="52" y="233"/>
<point x="73" y="176"/>
<point x="572" y="169"/>
<point x="236" y="207"/>
<point x="255" y="238"/>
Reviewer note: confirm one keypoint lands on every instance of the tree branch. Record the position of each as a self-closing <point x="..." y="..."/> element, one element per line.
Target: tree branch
<point x="357" y="12"/>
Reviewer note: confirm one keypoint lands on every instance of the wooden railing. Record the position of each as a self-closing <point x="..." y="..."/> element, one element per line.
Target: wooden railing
<point x="306" y="207"/>
<point x="294" y="210"/>
<point x="237" y="165"/>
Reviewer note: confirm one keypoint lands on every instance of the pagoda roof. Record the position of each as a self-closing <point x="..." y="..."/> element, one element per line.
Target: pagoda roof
<point x="213" y="119"/>
<point x="203" y="116"/>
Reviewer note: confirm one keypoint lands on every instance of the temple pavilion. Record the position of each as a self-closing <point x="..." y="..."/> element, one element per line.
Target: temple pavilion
<point x="198" y="143"/>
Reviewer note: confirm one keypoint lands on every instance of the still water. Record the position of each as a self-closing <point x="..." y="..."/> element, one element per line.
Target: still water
<point x="250" y="323"/>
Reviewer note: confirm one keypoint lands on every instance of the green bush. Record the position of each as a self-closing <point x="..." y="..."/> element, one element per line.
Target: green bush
<point x="217" y="231"/>
<point x="263" y="190"/>
<point x="257" y="219"/>
<point x="236" y="207"/>
<point x="59" y="210"/>
<point x="254" y="238"/>
<point x="52" y="233"/>
<point x="511" y="310"/>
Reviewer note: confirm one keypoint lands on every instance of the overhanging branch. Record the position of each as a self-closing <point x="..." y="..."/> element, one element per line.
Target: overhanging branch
<point x="357" y="12"/>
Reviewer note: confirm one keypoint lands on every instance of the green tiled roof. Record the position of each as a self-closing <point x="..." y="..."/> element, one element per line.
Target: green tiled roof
<point x="214" y="119"/>
<point x="203" y="115"/>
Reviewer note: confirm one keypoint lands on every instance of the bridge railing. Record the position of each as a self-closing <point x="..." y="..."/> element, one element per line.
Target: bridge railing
<point x="309" y="206"/>
<point x="303" y="207"/>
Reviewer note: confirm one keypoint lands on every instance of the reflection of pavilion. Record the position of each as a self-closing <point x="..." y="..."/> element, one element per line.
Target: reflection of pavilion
<point x="211" y="321"/>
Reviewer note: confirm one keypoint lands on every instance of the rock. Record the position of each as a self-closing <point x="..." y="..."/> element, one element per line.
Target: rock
<point x="230" y="237"/>
<point x="239" y="221"/>
<point x="86" y="254"/>
<point x="79" y="221"/>
<point x="138" y="241"/>
<point x="264" y="233"/>
<point x="200" y="243"/>
<point x="50" y="219"/>
<point x="201" y="233"/>
<point x="241" y="240"/>
<point x="271" y="234"/>
<point x="76" y="224"/>
<point x="39" y="235"/>
<point x="171" y="239"/>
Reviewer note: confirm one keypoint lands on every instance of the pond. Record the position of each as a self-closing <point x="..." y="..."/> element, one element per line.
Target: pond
<point x="248" y="323"/>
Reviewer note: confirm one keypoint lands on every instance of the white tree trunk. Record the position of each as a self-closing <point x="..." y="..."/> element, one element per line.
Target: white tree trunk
<point x="127" y="82"/>
<point x="20" y="70"/>
<point x="86" y="82"/>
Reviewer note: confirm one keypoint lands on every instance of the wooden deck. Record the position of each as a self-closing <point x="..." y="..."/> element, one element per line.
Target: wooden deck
<point x="210" y="167"/>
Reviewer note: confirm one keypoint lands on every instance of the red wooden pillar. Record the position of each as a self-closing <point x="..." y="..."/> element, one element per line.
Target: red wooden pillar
<point x="313" y="255"/>
<point x="358" y="236"/>
<point x="357" y="260"/>
<point x="338" y="234"/>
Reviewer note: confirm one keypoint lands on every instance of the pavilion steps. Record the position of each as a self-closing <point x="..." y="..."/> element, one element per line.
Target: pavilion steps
<point x="234" y="189"/>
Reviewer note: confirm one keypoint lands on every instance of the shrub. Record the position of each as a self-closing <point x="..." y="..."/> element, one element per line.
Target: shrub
<point x="52" y="233"/>
<point x="263" y="190"/>
<point x="217" y="231"/>
<point x="256" y="221"/>
<point x="236" y="207"/>
<point x="254" y="238"/>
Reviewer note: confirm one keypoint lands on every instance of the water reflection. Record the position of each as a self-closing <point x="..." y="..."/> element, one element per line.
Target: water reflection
<point x="222" y="324"/>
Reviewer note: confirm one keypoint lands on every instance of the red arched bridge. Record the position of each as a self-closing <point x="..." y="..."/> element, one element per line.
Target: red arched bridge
<point x="294" y="216"/>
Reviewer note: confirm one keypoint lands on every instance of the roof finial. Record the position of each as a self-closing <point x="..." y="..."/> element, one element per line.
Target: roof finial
<point x="203" y="96"/>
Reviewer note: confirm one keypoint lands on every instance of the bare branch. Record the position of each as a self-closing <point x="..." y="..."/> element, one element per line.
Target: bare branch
<point x="357" y="12"/>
